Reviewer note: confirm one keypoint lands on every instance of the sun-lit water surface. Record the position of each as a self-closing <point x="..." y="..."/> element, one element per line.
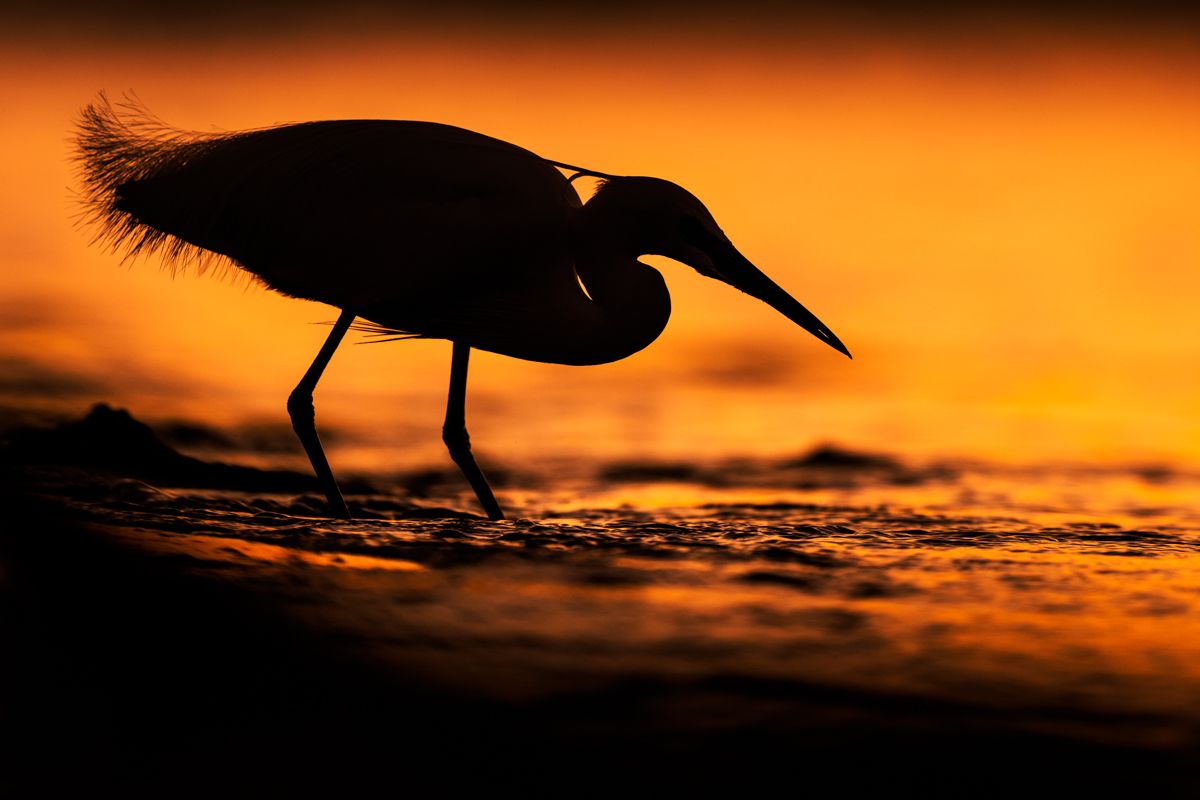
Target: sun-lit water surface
<point x="1062" y="598"/>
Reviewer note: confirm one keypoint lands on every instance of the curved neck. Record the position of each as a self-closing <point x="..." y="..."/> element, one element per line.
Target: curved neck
<point x="629" y="302"/>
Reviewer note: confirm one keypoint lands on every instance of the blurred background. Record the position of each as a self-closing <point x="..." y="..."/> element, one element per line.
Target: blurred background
<point x="996" y="211"/>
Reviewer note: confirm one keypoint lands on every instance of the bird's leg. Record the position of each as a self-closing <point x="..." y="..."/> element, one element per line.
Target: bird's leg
<point x="300" y="409"/>
<point x="454" y="432"/>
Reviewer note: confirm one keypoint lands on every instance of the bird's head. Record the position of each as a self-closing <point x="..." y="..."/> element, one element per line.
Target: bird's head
<point x="650" y="216"/>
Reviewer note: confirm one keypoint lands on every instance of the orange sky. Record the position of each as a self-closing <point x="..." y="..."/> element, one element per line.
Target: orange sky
<point x="1005" y="235"/>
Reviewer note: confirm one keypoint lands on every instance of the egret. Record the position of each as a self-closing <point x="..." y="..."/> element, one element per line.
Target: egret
<point x="421" y="230"/>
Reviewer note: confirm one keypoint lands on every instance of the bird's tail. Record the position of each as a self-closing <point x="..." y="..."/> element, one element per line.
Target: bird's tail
<point x="118" y="148"/>
<point x="377" y="333"/>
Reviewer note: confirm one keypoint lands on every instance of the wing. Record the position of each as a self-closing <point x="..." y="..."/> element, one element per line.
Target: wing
<point x="345" y="212"/>
<point x="550" y="320"/>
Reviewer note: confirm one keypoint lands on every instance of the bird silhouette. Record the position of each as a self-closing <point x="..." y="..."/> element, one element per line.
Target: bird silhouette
<point x="420" y="229"/>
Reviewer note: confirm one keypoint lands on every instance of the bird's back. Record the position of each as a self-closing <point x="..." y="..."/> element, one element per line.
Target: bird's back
<point x="348" y="212"/>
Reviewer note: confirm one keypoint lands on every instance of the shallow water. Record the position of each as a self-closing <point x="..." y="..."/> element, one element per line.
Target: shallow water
<point x="1056" y="600"/>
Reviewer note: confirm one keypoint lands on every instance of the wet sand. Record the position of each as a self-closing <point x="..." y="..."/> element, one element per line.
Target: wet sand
<point x="836" y="621"/>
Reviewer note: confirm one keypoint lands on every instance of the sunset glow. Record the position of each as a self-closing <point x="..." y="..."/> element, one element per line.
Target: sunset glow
<point x="962" y="563"/>
<point x="1005" y="235"/>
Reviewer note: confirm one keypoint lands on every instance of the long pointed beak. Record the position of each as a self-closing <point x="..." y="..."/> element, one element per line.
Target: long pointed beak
<point x="736" y="270"/>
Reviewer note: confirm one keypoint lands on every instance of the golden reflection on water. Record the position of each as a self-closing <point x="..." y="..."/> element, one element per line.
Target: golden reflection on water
<point x="906" y="599"/>
<point x="1006" y="239"/>
<point x="216" y="549"/>
<point x="1047" y="497"/>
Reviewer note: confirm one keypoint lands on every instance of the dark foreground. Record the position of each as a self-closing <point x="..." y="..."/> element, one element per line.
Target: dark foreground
<point x="188" y="642"/>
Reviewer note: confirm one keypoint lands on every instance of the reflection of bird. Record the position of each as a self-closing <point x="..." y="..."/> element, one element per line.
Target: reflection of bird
<point x="423" y="230"/>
